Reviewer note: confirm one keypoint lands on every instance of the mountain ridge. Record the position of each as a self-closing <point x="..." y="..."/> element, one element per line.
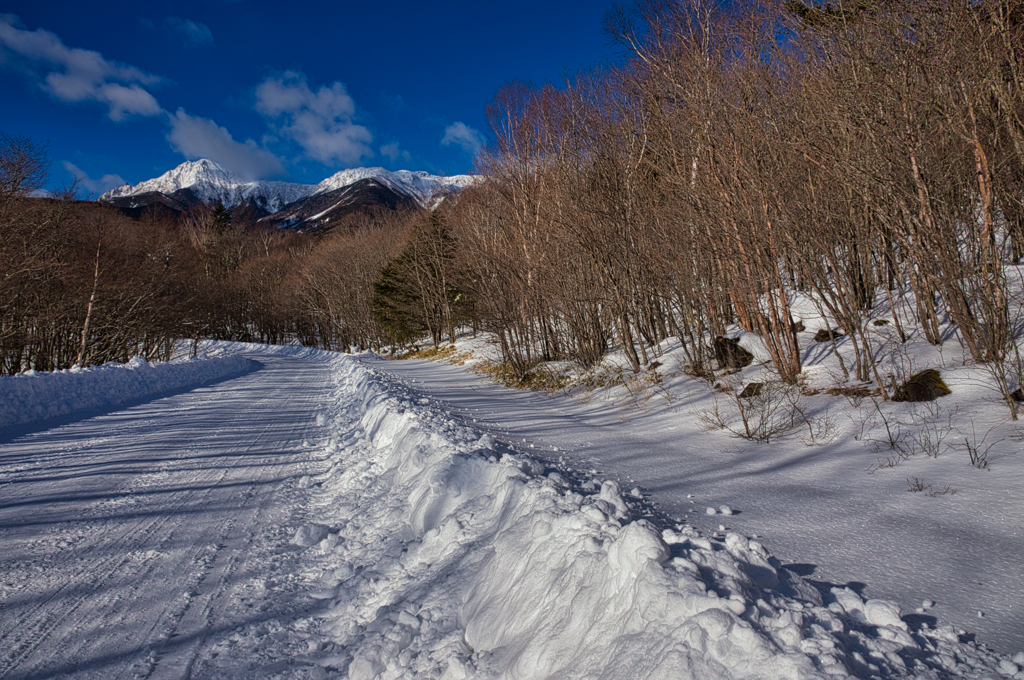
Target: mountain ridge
<point x="324" y="210"/>
<point x="211" y="183"/>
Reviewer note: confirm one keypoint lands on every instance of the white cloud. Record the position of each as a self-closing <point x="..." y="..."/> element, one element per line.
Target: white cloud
<point x="193" y="33"/>
<point x="461" y="135"/>
<point x="94" y="186"/>
<point x="76" y="75"/>
<point x="320" y="122"/>
<point x="196" y="137"/>
<point x="71" y="74"/>
<point x="392" y="151"/>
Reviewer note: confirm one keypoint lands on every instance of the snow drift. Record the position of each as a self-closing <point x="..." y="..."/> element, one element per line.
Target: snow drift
<point x="41" y="397"/>
<point x="450" y="555"/>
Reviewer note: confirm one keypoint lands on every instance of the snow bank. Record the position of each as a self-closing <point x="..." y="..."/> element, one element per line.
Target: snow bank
<point x="35" y="397"/>
<point x="449" y="555"/>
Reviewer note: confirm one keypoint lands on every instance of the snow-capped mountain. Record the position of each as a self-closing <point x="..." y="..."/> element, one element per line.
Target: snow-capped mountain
<point x="422" y="187"/>
<point x="206" y="181"/>
<point x="211" y="183"/>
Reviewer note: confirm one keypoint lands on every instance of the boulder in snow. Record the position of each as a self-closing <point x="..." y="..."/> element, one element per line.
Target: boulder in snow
<point x="730" y="354"/>
<point x="752" y="390"/>
<point x="827" y="335"/>
<point x="924" y="386"/>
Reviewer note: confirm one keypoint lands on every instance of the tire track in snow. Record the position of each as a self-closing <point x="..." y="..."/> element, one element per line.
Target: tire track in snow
<point x="156" y="548"/>
<point x="199" y="609"/>
<point x="38" y="625"/>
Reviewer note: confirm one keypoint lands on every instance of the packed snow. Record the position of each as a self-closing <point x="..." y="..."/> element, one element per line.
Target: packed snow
<point x="330" y="515"/>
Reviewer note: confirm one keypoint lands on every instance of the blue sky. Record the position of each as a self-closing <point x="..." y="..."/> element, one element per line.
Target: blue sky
<point x="124" y="91"/>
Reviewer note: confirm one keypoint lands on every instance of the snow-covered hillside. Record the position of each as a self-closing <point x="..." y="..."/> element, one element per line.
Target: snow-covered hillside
<point x="213" y="184"/>
<point x="323" y="517"/>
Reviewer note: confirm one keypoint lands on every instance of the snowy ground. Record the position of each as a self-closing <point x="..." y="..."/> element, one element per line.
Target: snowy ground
<point x="33" y="401"/>
<point x="832" y="497"/>
<point x="328" y="516"/>
<point x="133" y="538"/>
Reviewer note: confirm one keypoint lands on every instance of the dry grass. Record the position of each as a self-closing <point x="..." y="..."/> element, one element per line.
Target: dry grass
<point x="449" y="353"/>
<point x="854" y="392"/>
<point x="538" y="379"/>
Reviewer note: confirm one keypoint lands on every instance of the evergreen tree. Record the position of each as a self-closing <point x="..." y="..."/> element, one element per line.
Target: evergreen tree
<point x="395" y="304"/>
<point x="220" y="219"/>
<point x="417" y="292"/>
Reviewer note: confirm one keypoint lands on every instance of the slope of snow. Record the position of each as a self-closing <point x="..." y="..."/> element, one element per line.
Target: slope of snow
<point x="486" y="563"/>
<point x="33" y="397"/>
<point x="321" y="517"/>
<point x="213" y="184"/>
<point x="853" y="491"/>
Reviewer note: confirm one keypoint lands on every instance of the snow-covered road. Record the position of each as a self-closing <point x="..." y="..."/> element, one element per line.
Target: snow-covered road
<point x="322" y="517"/>
<point x="128" y="539"/>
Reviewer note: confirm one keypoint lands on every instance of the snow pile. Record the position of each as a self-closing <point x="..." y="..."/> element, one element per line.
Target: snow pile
<point x="448" y="555"/>
<point x="34" y="397"/>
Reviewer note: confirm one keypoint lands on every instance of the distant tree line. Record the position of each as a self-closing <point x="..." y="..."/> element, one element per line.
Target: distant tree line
<point x="84" y="284"/>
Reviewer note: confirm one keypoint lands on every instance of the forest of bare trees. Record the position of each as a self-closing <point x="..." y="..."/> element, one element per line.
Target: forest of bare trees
<point x="867" y="153"/>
